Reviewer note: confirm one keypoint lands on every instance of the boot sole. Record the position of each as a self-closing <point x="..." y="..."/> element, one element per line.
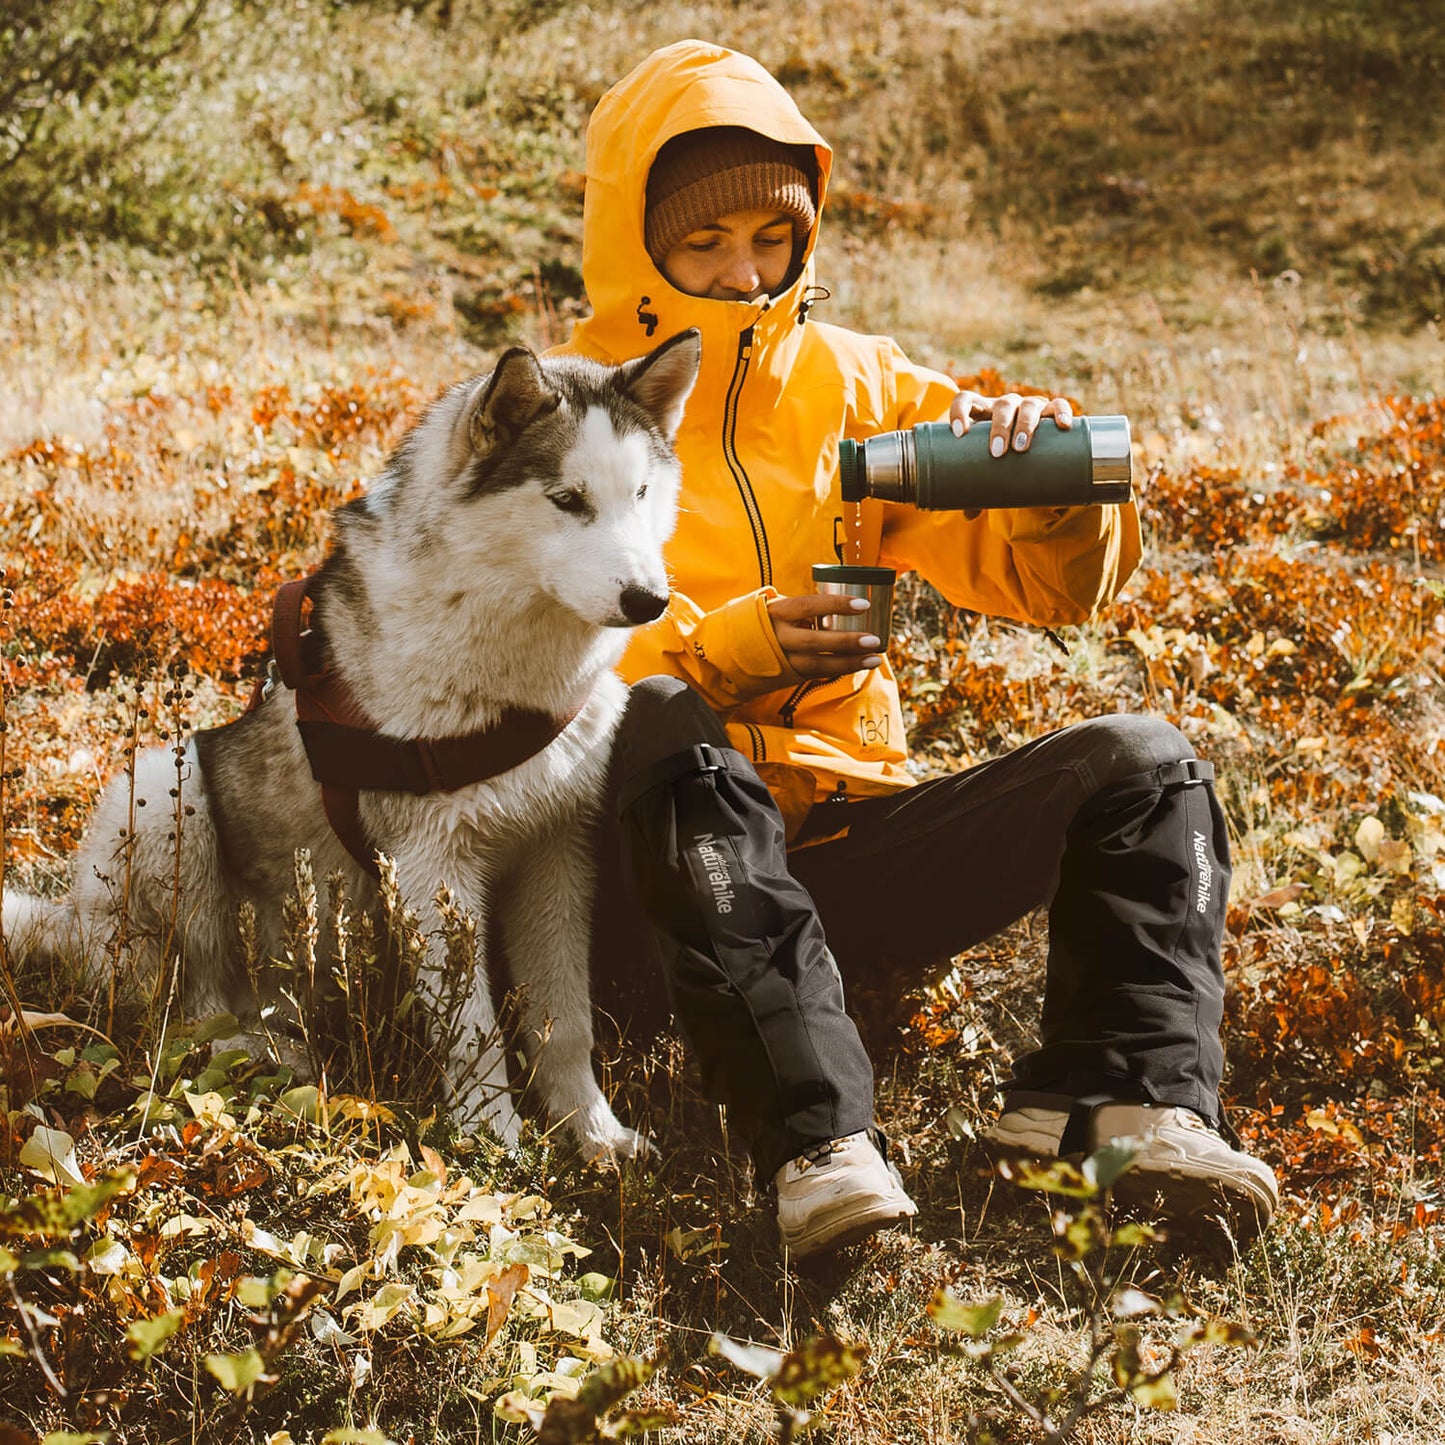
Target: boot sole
<point x="1213" y="1213"/>
<point x="1200" y="1212"/>
<point x="847" y="1232"/>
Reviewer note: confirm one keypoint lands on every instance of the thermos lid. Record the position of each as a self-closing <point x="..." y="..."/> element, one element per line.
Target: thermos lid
<point x="852" y="482"/>
<point x="1109" y="447"/>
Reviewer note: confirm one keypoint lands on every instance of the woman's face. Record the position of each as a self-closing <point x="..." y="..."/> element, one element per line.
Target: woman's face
<point x="739" y="257"/>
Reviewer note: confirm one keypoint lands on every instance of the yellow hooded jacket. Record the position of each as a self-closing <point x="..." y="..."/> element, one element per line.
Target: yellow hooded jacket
<point x="759" y="451"/>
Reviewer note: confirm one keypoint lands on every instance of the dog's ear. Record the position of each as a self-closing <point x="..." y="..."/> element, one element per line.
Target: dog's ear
<point x="661" y="382"/>
<point x="516" y="393"/>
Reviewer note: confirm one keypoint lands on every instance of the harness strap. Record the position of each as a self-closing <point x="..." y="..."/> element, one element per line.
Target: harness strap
<point x="348" y="754"/>
<point x="353" y="757"/>
<point x="289" y="615"/>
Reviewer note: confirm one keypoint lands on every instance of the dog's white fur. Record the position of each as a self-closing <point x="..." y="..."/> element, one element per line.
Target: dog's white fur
<point x="499" y="562"/>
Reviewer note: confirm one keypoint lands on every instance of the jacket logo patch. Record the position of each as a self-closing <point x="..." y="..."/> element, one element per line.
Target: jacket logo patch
<point x="646" y="318"/>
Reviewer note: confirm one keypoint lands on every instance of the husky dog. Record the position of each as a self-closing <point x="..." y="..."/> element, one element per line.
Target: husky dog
<point x="493" y="570"/>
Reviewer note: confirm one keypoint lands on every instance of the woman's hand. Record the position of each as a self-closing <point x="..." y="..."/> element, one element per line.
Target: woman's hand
<point x="813" y="651"/>
<point x="1014" y="418"/>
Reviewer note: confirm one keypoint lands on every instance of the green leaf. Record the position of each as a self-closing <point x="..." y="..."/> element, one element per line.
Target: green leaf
<point x="1156" y="1392"/>
<point x="219" y="1026"/>
<point x="256" y="1293"/>
<point x="599" y="1288"/>
<point x="1053" y="1176"/>
<point x="174" y="1053"/>
<point x="641" y="1422"/>
<point x="1078" y="1235"/>
<point x="1126" y="1365"/>
<point x="145" y="1338"/>
<point x="1132" y="1235"/>
<point x="604" y="1387"/>
<point x="949" y="1312"/>
<point x="1217" y="1332"/>
<point x="55" y="1258"/>
<point x="756" y="1360"/>
<point x="85" y="1201"/>
<point x="1105" y="1165"/>
<point x="816" y="1365"/>
<point x="237" y="1372"/>
<point x="304" y="1100"/>
<point x="51" y="1154"/>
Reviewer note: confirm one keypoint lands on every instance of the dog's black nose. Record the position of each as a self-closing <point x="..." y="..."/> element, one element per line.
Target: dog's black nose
<point x="639" y="605"/>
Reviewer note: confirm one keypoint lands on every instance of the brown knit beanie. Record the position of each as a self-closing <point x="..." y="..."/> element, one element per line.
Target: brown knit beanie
<point x="704" y="174"/>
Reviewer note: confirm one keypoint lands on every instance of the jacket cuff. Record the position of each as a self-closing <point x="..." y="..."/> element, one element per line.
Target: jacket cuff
<point x="743" y="646"/>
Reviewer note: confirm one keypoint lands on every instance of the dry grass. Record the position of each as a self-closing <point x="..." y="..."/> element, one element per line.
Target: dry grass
<point x="447" y="155"/>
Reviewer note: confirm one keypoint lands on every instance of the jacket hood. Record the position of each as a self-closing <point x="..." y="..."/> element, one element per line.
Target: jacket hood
<point x="690" y="85"/>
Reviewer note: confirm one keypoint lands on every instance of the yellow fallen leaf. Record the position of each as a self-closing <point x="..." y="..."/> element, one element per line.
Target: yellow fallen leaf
<point x="1278" y="897"/>
<point x="1368" y="837"/>
<point x="501" y="1291"/>
<point x="372" y="1314"/>
<point x="1402" y="916"/>
<point x="51" y="1154"/>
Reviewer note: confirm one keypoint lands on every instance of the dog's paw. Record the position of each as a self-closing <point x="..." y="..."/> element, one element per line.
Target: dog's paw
<point x="605" y="1139"/>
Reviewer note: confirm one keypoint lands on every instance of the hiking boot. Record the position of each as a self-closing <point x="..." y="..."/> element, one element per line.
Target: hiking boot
<point x="836" y="1194"/>
<point x="1184" y="1171"/>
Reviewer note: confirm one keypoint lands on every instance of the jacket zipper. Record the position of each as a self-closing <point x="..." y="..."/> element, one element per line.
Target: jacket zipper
<point x="796" y="697"/>
<point x="735" y="466"/>
<point x="755" y="736"/>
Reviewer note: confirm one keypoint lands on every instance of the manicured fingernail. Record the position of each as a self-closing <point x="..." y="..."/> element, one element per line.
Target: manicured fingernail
<point x="875" y="661"/>
<point x="1021" y="441"/>
<point x="997" y="445"/>
<point x="958" y="426"/>
<point x="869" y="642"/>
<point x="858" y="604"/>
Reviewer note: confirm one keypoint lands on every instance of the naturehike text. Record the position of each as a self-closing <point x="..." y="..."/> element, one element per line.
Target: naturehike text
<point x="1206" y="875"/>
<point x="715" y="871"/>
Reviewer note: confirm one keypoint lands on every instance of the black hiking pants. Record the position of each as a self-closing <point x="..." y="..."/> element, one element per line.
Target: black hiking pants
<point x="703" y="914"/>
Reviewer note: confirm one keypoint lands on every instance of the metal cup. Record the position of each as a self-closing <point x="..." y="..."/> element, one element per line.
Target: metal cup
<point x="874" y="583"/>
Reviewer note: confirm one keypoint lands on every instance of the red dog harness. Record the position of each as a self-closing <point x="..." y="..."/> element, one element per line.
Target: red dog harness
<point x="347" y="753"/>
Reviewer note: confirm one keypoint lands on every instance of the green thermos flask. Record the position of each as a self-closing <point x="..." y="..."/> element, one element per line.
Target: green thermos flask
<point x="929" y="467"/>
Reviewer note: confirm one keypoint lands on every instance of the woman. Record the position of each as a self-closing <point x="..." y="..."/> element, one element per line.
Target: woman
<point x="774" y="834"/>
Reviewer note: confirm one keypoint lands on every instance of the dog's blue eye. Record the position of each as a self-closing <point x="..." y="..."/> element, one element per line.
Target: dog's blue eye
<point x="568" y="501"/>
